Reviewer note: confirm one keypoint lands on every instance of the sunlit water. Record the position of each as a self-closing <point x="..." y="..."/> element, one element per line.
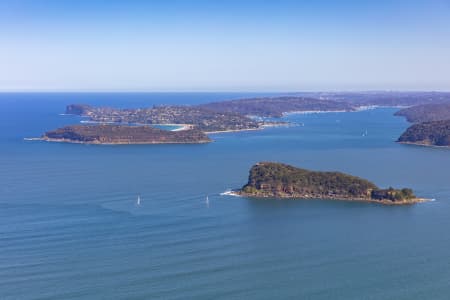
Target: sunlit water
<point x="71" y="228"/>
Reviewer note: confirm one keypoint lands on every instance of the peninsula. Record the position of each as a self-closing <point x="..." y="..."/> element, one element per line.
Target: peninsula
<point x="250" y="113"/>
<point x="432" y="126"/>
<point x="436" y="133"/>
<point x="199" y="118"/>
<point x="276" y="180"/>
<point x="233" y="115"/>
<point x="114" y="134"/>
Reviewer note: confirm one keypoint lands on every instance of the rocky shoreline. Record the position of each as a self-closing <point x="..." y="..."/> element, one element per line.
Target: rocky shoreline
<point x="114" y="143"/>
<point x="302" y="197"/>
<point x="424" y="145"/>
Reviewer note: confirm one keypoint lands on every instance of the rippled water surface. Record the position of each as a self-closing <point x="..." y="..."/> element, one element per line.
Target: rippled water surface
<point x="70" y="227"/>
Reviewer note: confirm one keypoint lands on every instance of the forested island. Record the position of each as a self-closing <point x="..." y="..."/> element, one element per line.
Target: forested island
<point x="436" y="133"/>
<point x="114" y="134"/>
<point x="277" y="180"/>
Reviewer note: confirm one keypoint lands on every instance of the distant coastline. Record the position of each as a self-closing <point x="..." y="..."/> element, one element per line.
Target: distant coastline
<point x="248" y="114"/>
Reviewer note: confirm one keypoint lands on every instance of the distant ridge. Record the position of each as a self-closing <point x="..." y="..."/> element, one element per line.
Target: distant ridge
<point x="426" y="113"/>
<point x="277" y="106"/>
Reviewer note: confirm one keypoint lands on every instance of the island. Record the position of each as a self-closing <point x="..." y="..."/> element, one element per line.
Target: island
<point x="436" y="133"/>
<point x="277" y="180"/>
<point x="115" y="134"/>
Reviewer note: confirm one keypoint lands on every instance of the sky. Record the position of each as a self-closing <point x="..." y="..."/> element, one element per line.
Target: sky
<point x="234" y="45"/>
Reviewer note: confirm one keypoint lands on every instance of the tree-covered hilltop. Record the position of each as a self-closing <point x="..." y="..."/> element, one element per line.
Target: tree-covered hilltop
<point x="435" y="133"/>
<point x="276" y="106"/>
<point x="426" y="113"/>
<point x="114" y="134"/>
<point x="268" y="179"/>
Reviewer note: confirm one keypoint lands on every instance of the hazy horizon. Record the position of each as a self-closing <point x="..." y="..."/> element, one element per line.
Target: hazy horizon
<point x="237" y="46"/>
<point x="276" y="92"/>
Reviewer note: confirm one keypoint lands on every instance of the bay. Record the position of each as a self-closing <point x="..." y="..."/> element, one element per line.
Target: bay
<point x="70" y="227"/>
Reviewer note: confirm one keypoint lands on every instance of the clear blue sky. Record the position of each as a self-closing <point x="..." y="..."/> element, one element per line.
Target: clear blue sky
<point x="165" y="45"/>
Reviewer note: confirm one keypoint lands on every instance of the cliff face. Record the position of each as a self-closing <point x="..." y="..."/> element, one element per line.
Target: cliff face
<point x="277" y="180"/>
<point x="114" y="134"/>
<point x="435" y="133"/>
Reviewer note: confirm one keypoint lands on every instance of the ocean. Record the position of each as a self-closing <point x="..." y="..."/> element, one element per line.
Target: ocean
<point x="70" y="227"/>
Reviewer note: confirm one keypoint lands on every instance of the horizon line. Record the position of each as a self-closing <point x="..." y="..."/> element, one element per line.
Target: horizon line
<point x="227" y="91"/>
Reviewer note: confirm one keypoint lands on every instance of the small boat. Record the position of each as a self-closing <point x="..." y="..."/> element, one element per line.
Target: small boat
<point x="138" y="201"/>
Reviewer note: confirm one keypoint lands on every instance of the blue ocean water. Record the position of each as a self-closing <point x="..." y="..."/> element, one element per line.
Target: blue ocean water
<point x="70" y="227"/>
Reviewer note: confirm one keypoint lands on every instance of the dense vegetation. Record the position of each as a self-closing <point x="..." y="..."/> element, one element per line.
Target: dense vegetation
<point x="435" y="133"/>
<point x="113" y="134"/>
<point x="276" y="106"/>
<point x="426" y="113"/>
<point x="268" y="179"/>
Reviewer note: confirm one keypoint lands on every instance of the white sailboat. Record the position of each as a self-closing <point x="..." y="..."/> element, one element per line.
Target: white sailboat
<point x="138" y="201"/>
<point x="207" y="200"/>
<point x="365" y="133"/>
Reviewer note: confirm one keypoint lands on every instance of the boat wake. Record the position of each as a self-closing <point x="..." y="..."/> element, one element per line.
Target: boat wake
<point x="229" y="193"/>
